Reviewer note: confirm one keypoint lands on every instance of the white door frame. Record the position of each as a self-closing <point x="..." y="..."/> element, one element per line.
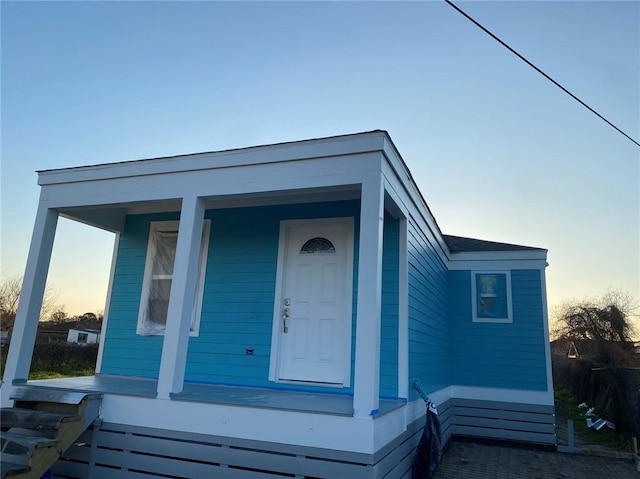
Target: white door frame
<point x="285" y="227"/>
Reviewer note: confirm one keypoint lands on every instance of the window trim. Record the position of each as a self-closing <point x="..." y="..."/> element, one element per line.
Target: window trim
<point x="173" y="225"/>
<point x="474" y="298"/>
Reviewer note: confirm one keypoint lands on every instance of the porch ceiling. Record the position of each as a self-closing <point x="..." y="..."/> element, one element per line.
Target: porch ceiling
<point x="111" y="217"/>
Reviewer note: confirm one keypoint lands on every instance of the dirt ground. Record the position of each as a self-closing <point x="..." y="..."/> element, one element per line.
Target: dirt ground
<point x="467" y="460"/>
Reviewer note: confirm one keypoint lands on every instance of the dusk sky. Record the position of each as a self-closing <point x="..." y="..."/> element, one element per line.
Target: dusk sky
<point x="498" y="152"/>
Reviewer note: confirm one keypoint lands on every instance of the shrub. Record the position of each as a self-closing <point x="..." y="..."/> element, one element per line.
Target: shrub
<point x="612" y="390"/>
<point x="70" y="355"/>
<point x="60" y="357"/>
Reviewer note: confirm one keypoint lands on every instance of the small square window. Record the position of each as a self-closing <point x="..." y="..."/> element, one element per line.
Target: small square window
<point x="491" y="297"/>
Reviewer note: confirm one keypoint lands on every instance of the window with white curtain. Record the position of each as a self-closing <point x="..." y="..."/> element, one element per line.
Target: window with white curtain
<point x="491" y="296"/>
<point x="158" y="275"/>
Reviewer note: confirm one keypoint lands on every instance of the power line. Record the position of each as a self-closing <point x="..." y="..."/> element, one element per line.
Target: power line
<point x="481" y="27"/>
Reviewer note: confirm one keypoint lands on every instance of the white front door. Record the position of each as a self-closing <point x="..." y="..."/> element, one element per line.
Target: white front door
<point x="312" y="318"/>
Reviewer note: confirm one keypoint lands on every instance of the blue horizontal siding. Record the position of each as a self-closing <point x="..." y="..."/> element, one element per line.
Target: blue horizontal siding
<point x="238" y="300"/>
<point x="510" y="355"/>
<point x="445" y="346"/>
<point x="125" y="352"/>
<point x="389" y="312"/>
<point x="429" y="345"/>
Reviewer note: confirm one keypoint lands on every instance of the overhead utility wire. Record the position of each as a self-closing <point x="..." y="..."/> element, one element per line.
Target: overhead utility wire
<point x="538" y="70"/>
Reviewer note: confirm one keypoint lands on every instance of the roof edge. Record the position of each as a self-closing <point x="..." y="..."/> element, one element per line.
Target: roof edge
<point x="461" y="244"/>
<point x="219" y="152"/>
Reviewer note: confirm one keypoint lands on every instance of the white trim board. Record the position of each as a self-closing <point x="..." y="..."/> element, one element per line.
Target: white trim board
<point x="105" y="317"/>
<point x="286" y="427"/>
<point x="304" y="174"/>
<point x="496" y="264"/>
<point x="545" y="320"/>
<point x="249" y="156"/>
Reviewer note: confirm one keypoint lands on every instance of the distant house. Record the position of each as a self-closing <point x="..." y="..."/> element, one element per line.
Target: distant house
<point x="61" y="331"/>
<point x="83" y="336"/>
<point x="573" y="348"/>
<point x="270" y="307"/>
<point x="572" y="351"/>
<point x="589" y="349"/>
<point x="52" y="333"/>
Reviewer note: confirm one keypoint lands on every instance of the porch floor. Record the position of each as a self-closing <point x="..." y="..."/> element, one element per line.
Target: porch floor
<point x="300" y="401"/>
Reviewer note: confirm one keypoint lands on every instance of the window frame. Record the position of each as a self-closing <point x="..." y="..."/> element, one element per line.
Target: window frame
<point x="166" y="226"/>
<point x="474" y="297"/>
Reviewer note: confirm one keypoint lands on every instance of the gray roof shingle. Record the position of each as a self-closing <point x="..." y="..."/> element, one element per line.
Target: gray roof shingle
<point x="459" y="244"/>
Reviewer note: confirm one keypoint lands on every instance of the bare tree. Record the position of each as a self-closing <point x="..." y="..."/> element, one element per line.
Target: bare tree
<point x="10" y="288"/>
<point x="609" y="320"/>
<point x="603" y="374"/>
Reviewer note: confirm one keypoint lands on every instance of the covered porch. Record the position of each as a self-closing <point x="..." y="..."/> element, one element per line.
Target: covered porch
<point x="363" y="169"/>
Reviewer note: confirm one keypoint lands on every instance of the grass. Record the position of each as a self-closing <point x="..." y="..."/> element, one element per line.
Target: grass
<point x="57" y="372"/>
<point x="59" y="360"/>
<point x="61" y="372"/>
<point x="567" y="408"/>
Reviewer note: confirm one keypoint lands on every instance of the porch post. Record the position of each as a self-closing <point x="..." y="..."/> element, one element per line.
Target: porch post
<point x="181" y="298"/>
<point x="367" y="362"/>
<point x="403" y="310"/>
<point x="34" y="281"/>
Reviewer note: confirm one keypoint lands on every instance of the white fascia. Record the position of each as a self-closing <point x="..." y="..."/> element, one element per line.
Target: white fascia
<point x="258" y="155"/>
<point x="400" y="181"/>
<point x="498" y="260"/>
<point x="271" y="178"/>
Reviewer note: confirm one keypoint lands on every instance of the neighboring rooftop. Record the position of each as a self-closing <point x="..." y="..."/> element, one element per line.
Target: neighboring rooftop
<point x="459" y="244"/>
<point x="92" y="325"/>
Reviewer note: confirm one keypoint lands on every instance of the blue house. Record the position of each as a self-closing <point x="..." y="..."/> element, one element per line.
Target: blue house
<point x="270" y="307"/>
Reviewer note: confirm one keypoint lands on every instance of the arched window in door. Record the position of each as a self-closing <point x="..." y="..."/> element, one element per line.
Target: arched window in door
<point x="318" y="245"/>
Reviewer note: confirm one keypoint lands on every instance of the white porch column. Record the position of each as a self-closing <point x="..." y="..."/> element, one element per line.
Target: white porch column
<point x="367" y="365"/>
<point x="25" y="327"/>
<point x="181" y="298"/>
